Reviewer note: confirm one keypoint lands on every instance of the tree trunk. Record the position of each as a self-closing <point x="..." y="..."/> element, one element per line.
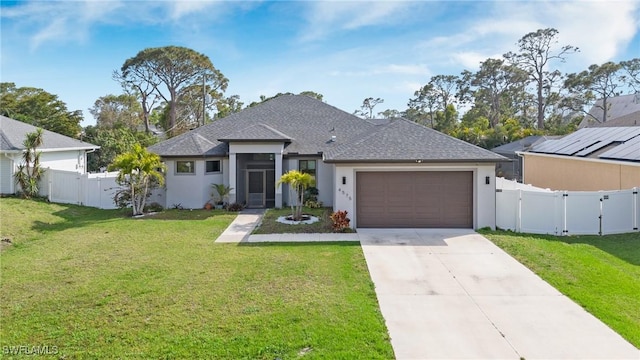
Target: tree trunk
<point x="540" y="105"/>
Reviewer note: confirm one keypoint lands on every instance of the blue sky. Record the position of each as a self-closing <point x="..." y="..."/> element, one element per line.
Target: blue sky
<point x="346" y="51"/>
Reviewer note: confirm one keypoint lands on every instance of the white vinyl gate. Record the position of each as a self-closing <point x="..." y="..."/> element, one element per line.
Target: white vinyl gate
<point x="68" y="187"/>
<point x="568" y="212"/>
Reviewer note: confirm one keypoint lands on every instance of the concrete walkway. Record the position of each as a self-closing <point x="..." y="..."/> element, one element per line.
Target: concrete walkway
<point x="241" y="227"/>
<point x="453" y="294"/>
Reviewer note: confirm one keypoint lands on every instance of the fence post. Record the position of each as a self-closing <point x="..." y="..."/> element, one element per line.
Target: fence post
<point x="600" y="217"/>
<point x="519" y="213"/>
<point x="565" y="231"/>
<point x="635" y="208"/>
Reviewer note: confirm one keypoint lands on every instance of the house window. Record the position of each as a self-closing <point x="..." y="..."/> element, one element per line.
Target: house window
<point x="307" y="167"/>
<point x="213" y="166"/>
<point x="185" y="167"/>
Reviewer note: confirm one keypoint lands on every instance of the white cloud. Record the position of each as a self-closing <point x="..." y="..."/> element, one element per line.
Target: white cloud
<point x="601" y="29"/>
<point x="326" y="17"/>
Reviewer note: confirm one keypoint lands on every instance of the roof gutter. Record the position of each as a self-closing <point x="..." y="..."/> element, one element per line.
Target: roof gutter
<point x="413" y="161"/>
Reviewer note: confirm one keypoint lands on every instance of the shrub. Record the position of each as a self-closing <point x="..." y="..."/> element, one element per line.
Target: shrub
<point x="235" y="207"/>
<point x="313" y="204"/>
<point x="340" y="221"/>
<point x="153" y="207"/>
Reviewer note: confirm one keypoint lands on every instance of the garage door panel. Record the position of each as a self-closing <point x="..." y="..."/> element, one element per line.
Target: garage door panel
<point x="414" y="199"/>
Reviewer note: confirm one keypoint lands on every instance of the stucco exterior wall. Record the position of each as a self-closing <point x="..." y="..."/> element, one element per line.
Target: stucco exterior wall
<point x="484" y="200"/>
<point x="6" y="175"/>
<point x="192" y="191"/>
<point x="71" y="160"/>
<point x="324" y="179"/>
<point x="579" y="174"/>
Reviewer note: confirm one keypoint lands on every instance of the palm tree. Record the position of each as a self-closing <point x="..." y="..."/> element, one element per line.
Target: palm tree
<point x="29" y="172"/>
<point x="140" y="171"/>
<point x="298" y="182"/>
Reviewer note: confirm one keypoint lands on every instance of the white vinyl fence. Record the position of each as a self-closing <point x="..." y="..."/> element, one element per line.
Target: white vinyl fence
<point x="68" y="187"/>
<point x="542" y="211"/>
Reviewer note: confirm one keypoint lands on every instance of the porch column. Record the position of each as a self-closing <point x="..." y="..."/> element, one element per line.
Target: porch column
<point x="277" y="174"/>
<point x="232" y="178"/>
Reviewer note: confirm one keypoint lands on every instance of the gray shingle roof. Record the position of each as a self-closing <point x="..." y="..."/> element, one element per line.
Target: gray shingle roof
<point x="258" y="132"/>
<point x="405" y="141"/>
<point x="13" y="133"/>
<point x="617" y="106"/>
<point x="520" y="145"/>
<point x="311" y="125"/>
<point x="308" y="122"/>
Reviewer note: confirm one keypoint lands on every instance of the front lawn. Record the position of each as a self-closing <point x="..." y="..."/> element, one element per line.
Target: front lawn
<point x="269" y="225"/>
<point x="601" y="273"/>
<point x="96" y="284"/>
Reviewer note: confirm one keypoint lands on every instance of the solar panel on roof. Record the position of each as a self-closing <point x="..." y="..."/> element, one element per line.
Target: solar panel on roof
<point x="595" y="147"/>
<point x="585" y="141"/>
<point x="630" y="150"/>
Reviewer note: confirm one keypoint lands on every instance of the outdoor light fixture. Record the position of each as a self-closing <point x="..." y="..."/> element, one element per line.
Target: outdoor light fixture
<point x="486" y="180"/>
<point x="344" y="180"/>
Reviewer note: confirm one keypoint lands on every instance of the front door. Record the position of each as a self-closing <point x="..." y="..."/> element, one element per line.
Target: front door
<point x="255" y="188"/>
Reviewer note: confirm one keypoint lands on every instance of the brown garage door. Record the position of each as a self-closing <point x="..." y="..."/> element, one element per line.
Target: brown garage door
<point x="426" y="199"/>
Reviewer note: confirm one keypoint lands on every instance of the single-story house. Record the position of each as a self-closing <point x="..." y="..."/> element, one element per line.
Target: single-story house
<point x="623" y="106"/>
<point x="590" y="159"/>
<point x="512" y="167"/>
<point x="58" y="152"/>
<point x="392" y="173"/>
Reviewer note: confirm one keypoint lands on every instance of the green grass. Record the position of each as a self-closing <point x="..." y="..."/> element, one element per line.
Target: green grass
<point x="269" y="225"/>
<point x="98" y="284"/>
<point x="600" y="273"/>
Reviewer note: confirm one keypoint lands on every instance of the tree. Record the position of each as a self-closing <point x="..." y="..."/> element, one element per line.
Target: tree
<point x="312" y="94"/>
<point x="494" y="88"/>
<point x="599" y="82"/>
<point x="228" y="106"/>
<point x="112" y="111"/>
<point x="298" y="182"/>
<point x="143" y="90"/>
<point x="39" y="108"/>
<point x="264" y="98"/>
<point x="536" y="50"/>
<point x="390" y="114"/>
<point x="113" y="142"/>
<point x="632" y="76"/>
<point x="29" y="171"/>
<point x="366" y="110"/>
<point x="435" y="96"/>
<point x="178" y="69"/>
<point x="139" y="172"/>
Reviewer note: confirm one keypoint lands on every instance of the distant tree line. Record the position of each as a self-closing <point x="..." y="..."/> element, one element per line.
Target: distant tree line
<point x="169" y="90"/>
<point x="520" y="94"/>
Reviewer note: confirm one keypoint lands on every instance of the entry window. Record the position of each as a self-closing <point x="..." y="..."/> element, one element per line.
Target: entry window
<point x="307" y="167"/>
<point x="213" y="166"/>
<point x="185" y="167"/>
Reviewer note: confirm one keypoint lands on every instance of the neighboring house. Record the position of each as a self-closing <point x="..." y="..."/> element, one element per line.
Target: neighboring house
<point x="512" y="168"/>
<point x="58" y="152"/>
<point x="632" y="119"/>
<point x="627" y="106"/>
<point x="393" y="173"/>
<point x="590" y="159"/>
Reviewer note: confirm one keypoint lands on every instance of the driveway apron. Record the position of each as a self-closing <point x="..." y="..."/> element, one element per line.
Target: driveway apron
<point x="453" y="294"/>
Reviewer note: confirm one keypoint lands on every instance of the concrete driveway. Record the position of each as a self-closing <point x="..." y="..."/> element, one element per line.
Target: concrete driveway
<point x="453" y="294"/>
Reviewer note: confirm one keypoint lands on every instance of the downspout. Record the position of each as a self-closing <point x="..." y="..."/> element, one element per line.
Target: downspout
<point x="520" y="154"/>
